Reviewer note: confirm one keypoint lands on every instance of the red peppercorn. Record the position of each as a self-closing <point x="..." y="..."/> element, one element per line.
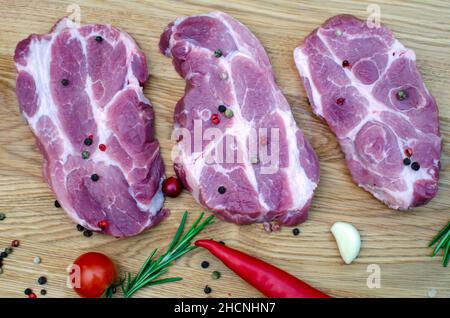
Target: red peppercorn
<point x="171" y="187"/>
<point x="15" y="243"/>
<point x="345" y="63"/>
<point x="32" y="295"/>
<point x="340" y="101"/>
<point x="91" y="136"/>
<point x="408" y="152"/>
<point x="102" y="147"/>
<point x="215" y="119"/>
<point x="103" y="224"/>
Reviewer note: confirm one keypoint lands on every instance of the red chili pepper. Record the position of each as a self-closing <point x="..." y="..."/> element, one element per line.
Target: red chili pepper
<point x="268" y="279"/>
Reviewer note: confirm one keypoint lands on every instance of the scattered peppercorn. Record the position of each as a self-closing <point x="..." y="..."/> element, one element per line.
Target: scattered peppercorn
<point x="87" y="233"/>
<point x="8" y="250"/>
<point x="27" y="291"/>
<point x="43" y="292"/>
<point x="401" y="95"/>
<point x="1" y="262"/>
<point x="103" y="224"/>
<point x="207" y="290"/>
<point x="408" y="152"/>
<point x="42" y="280"/>
<point x="221" y="189"/>
<point x="1" y="270"/>
<point x="57" y="205"/>
<point x="222" y="108"/>
<point x="32" y="295"/>
<point x="215" y="275"/>
<point x="15" y="243"/>
<point x="37" y="260"/>
<point x="85" y="154"/>
<point x="80" y="227"/>
<point x="340" y="101"/>
<point x="296" y="231"/>
<point x="229" y="113"/>
<point x="95" y="177"/>
<point x="98" y="38"/>
<point x="345" y="63"/>
<point x="88" y="141"/>
<point x="65" y="82"/>
<point x="218" y="53"/>
<point x="223" y="76"/>
<point x="3" y="255"/>
<point x="102" y="147"/>
<point x="205" y="264"/>
<point x="2" y="216"/>
<point x="222" y="242"/>
<point x="415" y="166"/>
<point x="215" y="119"/>
<point x="406" y="161"/>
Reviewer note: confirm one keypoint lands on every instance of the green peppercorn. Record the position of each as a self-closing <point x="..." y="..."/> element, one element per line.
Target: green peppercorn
<point x="8" y="250"/>
<point x="401" y="95"/>
<point x="43" y="292"/>
<point x="2" y="216"/>
<point x="215" y="275"/>
<point x="229" y="113"/>
<point x="85" y="154"/>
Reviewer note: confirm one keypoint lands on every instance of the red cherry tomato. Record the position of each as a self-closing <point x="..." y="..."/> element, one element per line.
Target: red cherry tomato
<point x="92" y="273"/>
<point x="171" y="187"/>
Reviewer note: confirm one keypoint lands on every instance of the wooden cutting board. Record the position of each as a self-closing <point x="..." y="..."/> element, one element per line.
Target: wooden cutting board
<point x="394" y="241"/>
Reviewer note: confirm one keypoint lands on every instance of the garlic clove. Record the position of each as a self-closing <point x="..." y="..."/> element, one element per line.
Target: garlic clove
<point x="348" y="240"/>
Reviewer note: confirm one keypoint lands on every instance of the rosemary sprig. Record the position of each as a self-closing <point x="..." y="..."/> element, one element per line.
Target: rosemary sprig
<point x="443" y="242"/>
<point x="154" y="267"/>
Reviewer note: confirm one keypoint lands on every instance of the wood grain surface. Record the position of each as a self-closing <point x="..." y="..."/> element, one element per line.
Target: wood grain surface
<point x="395" y="241"/>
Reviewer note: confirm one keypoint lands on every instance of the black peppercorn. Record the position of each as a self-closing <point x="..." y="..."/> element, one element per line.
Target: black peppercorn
<point x="88" y="141"/>
<point x="57" y="205"/>
<point x="95" y="177"/>
<point x="42" y="280"/>
<point x="222" y="108"/>
<point x="406" y="161"/>
<point x="218" y="53"/>
<point x="65" y="82"/>
<point x="415" y="166"/>
<point x="98" y="38"/>
<point x="87" y="233"/>
<point x="80" y="227"/>
<point x="222" y="242"/>
<point x="205" y="264"/>
<point x="221" y="189"/>
<point x="3" y="255"/>
<point x="27" y="291"/>
<point x="207" y="290"/>
<point x="345" y="63"/>
<point x="296" y="231"/>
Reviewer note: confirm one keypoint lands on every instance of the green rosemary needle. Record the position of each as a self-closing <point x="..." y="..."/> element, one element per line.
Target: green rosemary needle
<point x="443" y="242"/>
<point x="154" y="267"/>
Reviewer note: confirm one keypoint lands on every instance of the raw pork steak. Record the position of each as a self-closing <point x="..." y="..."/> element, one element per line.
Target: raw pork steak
<point x="231" y="93"/>
<point x="79" y="90"/>
<point x="366" y="85"/>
